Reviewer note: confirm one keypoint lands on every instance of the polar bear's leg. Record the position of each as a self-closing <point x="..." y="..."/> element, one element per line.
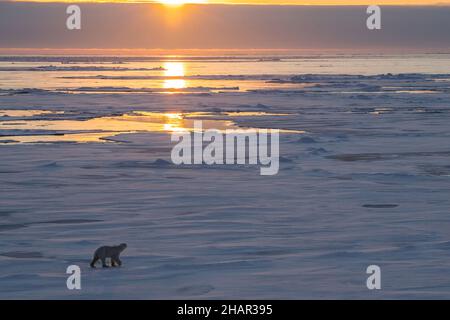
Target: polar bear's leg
<point x="94" y="260"/>
<point x="115" y="260"/>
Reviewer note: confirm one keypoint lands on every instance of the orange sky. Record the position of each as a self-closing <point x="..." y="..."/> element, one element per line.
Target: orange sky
<point x="144" y="26"/>
<point x="277" y="2"/>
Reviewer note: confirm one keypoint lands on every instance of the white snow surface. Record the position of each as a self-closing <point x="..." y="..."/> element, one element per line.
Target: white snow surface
<point x="367" y="184"/>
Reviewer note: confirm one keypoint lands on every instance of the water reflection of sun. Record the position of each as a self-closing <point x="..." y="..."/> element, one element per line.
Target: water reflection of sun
<point x="174" y="123"/>
<point x="174" y="69"/>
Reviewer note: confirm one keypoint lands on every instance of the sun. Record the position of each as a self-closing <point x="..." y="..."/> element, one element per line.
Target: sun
<point x="173" y="2"/>
<point x="180" y="2"/>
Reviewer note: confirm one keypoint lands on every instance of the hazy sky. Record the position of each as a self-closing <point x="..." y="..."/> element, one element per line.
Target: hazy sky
<point x="43" y="25"/>
<point x="275" y="2"/>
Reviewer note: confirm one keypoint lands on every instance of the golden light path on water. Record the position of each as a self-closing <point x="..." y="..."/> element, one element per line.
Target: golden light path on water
<point x="102" y="128"/>
<point x="174" y="69"/>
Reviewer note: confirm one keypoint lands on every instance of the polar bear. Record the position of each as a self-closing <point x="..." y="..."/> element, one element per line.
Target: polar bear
<point x="108" y="252"/>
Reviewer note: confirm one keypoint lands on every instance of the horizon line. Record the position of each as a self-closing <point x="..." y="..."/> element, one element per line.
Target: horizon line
<point x="210" y="51"/>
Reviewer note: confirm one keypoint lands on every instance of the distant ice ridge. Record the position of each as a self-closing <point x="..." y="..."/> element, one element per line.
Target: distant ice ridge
<point x="5" y="92"/>
<point x="382" y="83"/>
<point x="186" y="77"/>
<point x="137" y="90"/>
<point x="411" y="83"/>
<point x="114" y="90"/>
<point x="348" y="77"/>
<point x="273" y="78"/>
<point x="76" y="68"/>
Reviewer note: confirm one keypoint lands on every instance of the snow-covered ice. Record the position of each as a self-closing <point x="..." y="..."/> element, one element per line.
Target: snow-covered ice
<point x="366" y="183"/>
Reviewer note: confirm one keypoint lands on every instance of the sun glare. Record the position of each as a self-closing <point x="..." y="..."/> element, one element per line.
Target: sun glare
<point x="176" y="3"/>
<point x="173" y="2"/>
